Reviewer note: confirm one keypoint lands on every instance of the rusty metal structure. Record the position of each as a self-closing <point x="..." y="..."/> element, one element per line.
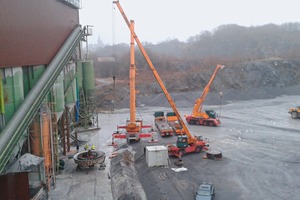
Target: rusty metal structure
<point x="40" y="52"/>
<point x="32" y="32"/>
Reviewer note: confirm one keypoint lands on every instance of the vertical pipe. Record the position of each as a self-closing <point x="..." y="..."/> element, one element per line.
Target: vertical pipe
<point x="46" y="139"/>
<point x="52" y="151"/>
<point x="67" y="127"/>
<point x="63" y="137"/>
<point x="46" y="146"/>
<point x="13" y="89"/>
<point x="114" y="87"/>
<point x="77" y="102"/>
<point x="2" y="110"/>
<point x="35" y="139"/>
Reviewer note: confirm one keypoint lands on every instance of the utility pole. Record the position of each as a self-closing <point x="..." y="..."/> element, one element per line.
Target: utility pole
<point x="113" y="101"/>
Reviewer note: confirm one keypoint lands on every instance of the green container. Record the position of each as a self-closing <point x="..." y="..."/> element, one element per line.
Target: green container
<point x="88" y="76"/>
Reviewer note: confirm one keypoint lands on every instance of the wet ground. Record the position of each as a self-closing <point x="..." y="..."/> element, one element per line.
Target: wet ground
<point x="259" y="141"/>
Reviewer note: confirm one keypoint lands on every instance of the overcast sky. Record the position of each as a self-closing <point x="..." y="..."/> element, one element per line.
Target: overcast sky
<point x="159" y="20"/>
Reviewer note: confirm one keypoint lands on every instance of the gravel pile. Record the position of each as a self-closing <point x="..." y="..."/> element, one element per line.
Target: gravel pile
<point x="126" y="185"/>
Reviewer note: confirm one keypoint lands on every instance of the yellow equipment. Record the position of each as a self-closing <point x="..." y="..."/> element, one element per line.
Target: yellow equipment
<point x="295" y="112"/>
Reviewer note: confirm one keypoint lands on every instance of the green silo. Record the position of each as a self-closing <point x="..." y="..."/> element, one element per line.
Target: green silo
<point x="58" y="93"/>
<point x="13" y="91"/>
<point x="70" y="83"/>
<point x="88" y="76"/>
<point x="79" y="75"/>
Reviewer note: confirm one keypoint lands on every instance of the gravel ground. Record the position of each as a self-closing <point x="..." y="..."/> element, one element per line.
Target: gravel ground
<point x="261" y="159"/>
<point x="259" y="141"/>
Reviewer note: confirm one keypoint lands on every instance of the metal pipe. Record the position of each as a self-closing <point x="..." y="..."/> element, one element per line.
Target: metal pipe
<point x="2" y="110"/>
<point x="15" y="129"/>
<point x="52" y="152"/>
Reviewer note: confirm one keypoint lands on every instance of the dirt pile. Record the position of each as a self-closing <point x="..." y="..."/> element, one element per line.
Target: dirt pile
<point x="161" y="183"/>
<point x="133" y="179"/>
<point x="259" y="79"/>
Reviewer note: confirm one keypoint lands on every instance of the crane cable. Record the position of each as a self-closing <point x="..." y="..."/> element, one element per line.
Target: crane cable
<point x="113" y="30"/>
<point x="221" y="95"/>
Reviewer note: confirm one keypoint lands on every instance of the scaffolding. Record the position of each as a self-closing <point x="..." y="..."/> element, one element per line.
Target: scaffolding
<point x="87" y="111"/>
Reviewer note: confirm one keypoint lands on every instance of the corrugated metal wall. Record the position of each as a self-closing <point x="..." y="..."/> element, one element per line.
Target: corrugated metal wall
<point x="14" y="186"/>
<point x="32" y="31"/>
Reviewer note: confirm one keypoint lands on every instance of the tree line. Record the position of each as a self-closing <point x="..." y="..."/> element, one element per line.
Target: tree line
<point x="227" y="44"/>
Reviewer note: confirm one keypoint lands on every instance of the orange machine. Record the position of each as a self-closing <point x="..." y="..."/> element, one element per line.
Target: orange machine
<point x="134" y="127"/>
<point x="207" y="117"/>
<point x="185" y="143"/>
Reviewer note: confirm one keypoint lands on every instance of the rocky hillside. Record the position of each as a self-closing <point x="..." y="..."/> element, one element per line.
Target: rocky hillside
<point x="256" y="79"/>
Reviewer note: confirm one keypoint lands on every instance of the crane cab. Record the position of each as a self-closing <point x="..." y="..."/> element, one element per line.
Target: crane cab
<point x="182" y="141"/>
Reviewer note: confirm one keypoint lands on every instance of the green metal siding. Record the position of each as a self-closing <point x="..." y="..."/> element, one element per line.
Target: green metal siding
<point x="18" y="86"/>
<point x="31" y="75"/>
<point x="13" y="91"/>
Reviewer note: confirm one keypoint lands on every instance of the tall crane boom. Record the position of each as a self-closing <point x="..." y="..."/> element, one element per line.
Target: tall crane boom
<point x="191" y="138"/>
<point x="134" y="127"/>
<point x="198" y="103"/>
<point x="132" y="77"/>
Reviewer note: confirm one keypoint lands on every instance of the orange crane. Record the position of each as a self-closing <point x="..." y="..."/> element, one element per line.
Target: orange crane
<point x="207" y="117"/>
<point x="185" y="143"/>
<point x="134" y="127"/>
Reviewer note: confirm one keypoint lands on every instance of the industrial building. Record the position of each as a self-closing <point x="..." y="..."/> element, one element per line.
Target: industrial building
<point x="46" y="92"/>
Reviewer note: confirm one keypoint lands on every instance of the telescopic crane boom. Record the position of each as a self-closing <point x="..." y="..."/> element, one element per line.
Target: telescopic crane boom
<point x="207" y="117"/>
<point x="194" y="143"/>
<point x="134" y="127"/>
